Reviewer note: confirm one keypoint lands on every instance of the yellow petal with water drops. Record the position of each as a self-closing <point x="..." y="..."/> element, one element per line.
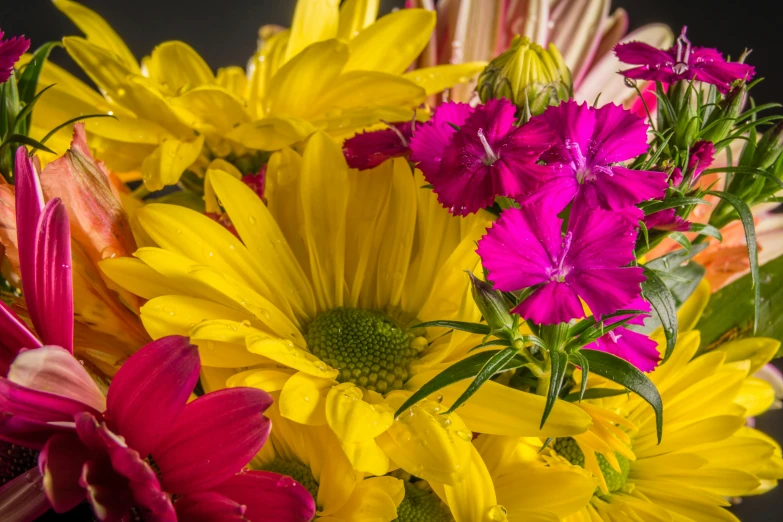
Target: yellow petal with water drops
<point x="213" y="109"/>
<point x="178" y="67"/>
<point x="221" y="343"/>
<point x="393" y="42"/>
<point x="177" y="314"/>
<point x="426" y="443"/>
<point x="353" y="419"/>
<point x="441" y="77"/>
<point x="263" y="65"/>
<point x="369" y="89"/>
<point x="233" y="79"/>
<point x="288" y="354"/>
<point x="758" y="350"/>
<point x="314" y="21"/>
<point x="261" y="234"/>
<point x="214" y="379"/>
<point x="343" y="123"/>
<point x="134" y="274"/>
<point x="355" y="15"/>
<point x="303" y="399"/>
<point x="98" y="31"/>
<point x="373" y="500"/>
<point x="472" y="499"/>
<point x="271" y="133"/>
<point x="500" y="410"/>
<point x="127" y="129"/>
<point x="169" y="160"/>
<point x="324" y="204"/>
<point x="395" y="250"/>
<point x="270" y="380"/>
<point x="300" y="83"/>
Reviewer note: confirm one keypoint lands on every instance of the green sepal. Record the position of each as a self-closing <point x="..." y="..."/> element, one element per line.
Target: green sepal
<point x="493" y="365"/>
<point x="558" y="362"/>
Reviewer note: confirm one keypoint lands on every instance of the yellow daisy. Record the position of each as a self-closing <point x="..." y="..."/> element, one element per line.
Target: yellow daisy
<point x="336" y="69"/>
<point x="321" y="293"/>
<point x="707" y="452"/>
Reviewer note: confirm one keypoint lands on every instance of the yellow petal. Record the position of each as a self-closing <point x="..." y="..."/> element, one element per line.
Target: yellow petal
<point x="271" y="133"/>
<point x="269" y="380"/>
<point x="324" y="203"/>
<point x="261" y="235"/>
<point x="373" y="500"/>
<point x="168" y="162"/>
<point x="756" y="396"/>
<point x="233" y="79"/>
<point x="369" y="89"/>
<point x="264" y="64"/>
<point x="392" y="43"/>
<point x="213" y="379"/>
<point x="690" y="312"/>
<point x="134" y="274"/>
<point x="303" y="399"/>
<point x="351" y="418"/>
<point x="355" y="15"/>
<point x="299" y="84"/>
<point x="98" y="31"/>
<point x="472" y="498"/>
<point x="366" y="456"/>
<point x="343" y="123"/>
<point x="176" y="314"/>
<point x="758" y="350"/>
<point x="287" y="354"/>
<point x="220" y="346"/>
<point x="441" y="77"/>
<point x="426" y="443"/>
<point x="177" y="66"/>
<point x="314" y="21"/>
<point x="127" y="129"/>
<point x="213" y="109"/>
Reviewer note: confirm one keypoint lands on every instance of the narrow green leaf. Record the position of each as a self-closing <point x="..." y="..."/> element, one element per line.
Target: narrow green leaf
<point x="746" y="217"/>
<point x="672" y="260"/>
<point x="645" y="233"/>
<point x="707" y="230"/>
<point x="584" y="364"/>
<point x="662" y="301"/>
<point x="28" y="81"/>
<point x="746" y="170"/>
<point x="26" y="140"/>
<point x="72" y="121"/>
<point x="494" y="342"/>
<point x="672" y="203"/>
<point x="492" y="366"/>
<point x="28" y="108"/>
<point x="558" y="363"/>
<point x="476" y="328"/>
<point x="626" y="374"/>
<point x="680" y="239"/>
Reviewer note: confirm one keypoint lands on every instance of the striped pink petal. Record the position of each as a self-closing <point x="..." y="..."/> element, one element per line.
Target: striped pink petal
<point x="23" y="498"/>
<point x="15" y="336"/>
<point x="209" y="506"/>
<point x="269" y="497"/>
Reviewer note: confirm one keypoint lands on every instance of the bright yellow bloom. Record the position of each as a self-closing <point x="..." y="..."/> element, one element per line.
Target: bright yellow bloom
<point x="337" y="69"/>
<point x="321" y="295"/>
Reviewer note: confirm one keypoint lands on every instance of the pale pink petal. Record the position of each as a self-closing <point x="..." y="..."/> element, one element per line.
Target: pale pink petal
<point x="553" y="303"/>
<point x="54" y="370"/>
<point x="208" y="506"/>
<point x="23" y="498"/>
<point x="150" y="391"/>
<point x="38" y="405"/>
<point x="225" y="428"/>
<point x="269" y="497"/>
<point x="53" y="280"/>
<point x="61" y="462"/>
<point x="606" y="290"/>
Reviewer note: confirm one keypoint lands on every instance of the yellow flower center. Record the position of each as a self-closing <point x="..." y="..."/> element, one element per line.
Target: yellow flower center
<point x="368" y="347"/>
<point x="422" y="505"/>
<point x="297" y="471"/>
<point x="570" y="450"/>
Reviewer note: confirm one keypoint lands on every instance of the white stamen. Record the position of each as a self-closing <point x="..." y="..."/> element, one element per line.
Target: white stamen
<point x="396" y="131"/>
<point x="491" y="156"/>
<point x="682" y="54"/>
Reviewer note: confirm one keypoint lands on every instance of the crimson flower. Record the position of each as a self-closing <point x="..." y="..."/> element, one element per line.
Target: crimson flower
<point x="681" y="62"/>
<point x="666" y="220"/>
<point x="11" y="50"/>
<point x="367" y="150"/>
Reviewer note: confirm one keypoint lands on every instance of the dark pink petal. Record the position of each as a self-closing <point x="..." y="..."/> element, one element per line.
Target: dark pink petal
<point x="116" y="471"/>
<point x="150" y="391"/>
<point x="602" y="238"/>
<point x="29" y="205"/>
<point x="224" y="428"/>
<point x="209" y="506"/>
<point x="430" y="141"/>
<point x="257" y="181"/>
<point x="15" y="333"/>
<point x="367" y="150"/>
<point x="553" y="303"/>
<point x="23" y="498"/>
<point x="10" y="52"/>
<point x="107" y="491"/>
<point x="573" y="124"/>
<point x="269" y="497"/>
<point x="54" y="370"/>
<point x="29" y="433"/>
<point x="606" y="290"/>
<point x="61" y="462"/>
<point x="640" y="53"/>
<point x="637" y="304"/>
<point x="53" y="279"/>
<point x="521" y="247"/>
<point x="636" y="348"/>
<point x="619" y="135"/>
<point x="702" y="154"/>
<point x="666" y="220"/>
<point x="38" y="405"/>
<point x="557" y="189"/>
<point x="620" y="188"/>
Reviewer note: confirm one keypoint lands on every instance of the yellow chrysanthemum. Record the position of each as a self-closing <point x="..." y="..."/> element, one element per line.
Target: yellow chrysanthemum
<point x="320" y="294"/>
<point x="337" y="69"/>
<point x="707" y="452"/>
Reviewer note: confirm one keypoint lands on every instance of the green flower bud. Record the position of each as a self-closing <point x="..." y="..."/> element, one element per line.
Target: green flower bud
<point x="532" y="77"/>
<point x="769" y="147"/>
<point x="723" y="117"/>
<point x="492" y="304"/>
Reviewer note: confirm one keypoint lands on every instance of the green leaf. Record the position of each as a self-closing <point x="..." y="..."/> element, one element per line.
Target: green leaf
<point x="594" y="393"/>
<point x="26" y="140"/>
<point x="672" y="203"/>
<point x="558" y="364"/>
<point x="750" y="238"/>
<point x="589" y="322"/>
<point x="494" y="342"/>
<point x="72" y="121"/>
<point x="682" y="282"/>
<point x="672" y="260"/>
<point x="492" y="366"/>
<point x="626" y="374"/>
<point x="680" y="239"/>
<point x="459" y="371"/>
<point x="476" y="328"/>
<point x="28" y="108"/>
<point x="645" y="233"/>
<point x="662" y="301"/>
<point x="28" y="81"/>
<point x="584" y="364"/>
<point x="707" y="230"/>
<point x="746" y="170"/>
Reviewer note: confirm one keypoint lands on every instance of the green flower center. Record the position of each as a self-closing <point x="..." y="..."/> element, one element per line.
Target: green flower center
<point x="422" y="505"/>
<point x="570" y="450"/>
<point x="297" y="471"/>
<point x="368" y="347"/>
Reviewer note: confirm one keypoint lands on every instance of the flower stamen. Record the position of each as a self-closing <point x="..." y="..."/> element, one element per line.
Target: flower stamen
<point x="491" y="156"/>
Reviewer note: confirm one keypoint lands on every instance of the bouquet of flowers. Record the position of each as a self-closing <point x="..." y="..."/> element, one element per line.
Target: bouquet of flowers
<point x="472" y="262"/>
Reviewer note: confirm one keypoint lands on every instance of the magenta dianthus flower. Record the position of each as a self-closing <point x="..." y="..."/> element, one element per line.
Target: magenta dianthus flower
<point x="367" y="150"/>
<point x="638" y="349"/>
<point x="489" y="156"/>
<point x="583" y="163"/>
<point x="10" y="51"/>
<point x="681" y="62"/>
<point x="525" y="248"/>
<point x="701" y="156"/>
<point x="666" y="220"/>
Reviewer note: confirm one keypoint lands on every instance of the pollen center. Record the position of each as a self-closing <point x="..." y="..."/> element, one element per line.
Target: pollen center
<point x="570" y="450"/>
<point x="422" y="505"/>
<point x="368" y="347"/>
<point x="297" y="471"/>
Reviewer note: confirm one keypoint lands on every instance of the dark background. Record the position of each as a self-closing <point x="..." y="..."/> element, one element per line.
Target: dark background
<point x="225" y="32"/>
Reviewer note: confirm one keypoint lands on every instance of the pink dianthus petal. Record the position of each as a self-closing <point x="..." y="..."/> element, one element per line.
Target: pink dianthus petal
<point x="574" y="124"/>
<point x="10" y="52"/>
<point x="606" y="290"/>
<point x="61" y="462"/>
<point x="636" y="348"/>
<point x="640" y="53"/>
<point x="430" y="141"/>
<point x="150" y="391"/>
<point x="602" y="238"/>
<point x="702" y="154"/>
<point x="622" y="188"/>
<point x="226" y="428"/>
<point x="556" y="190"/>
<point x="666" y="220"/>
<point x="269" y="497"/>
<point x="553" y="303"/>
<point x="520" y="247"/>
<point x="208" y="506"/>
<point x="619" y="134"/>
<point x="367" y="150"/>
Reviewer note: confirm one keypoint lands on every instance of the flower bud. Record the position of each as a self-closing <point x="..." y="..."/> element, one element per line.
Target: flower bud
<point x="492" y="304"/>
<point x="527" y="74"/>
<point x="769" y="147"/>
<point x="724" y="116"/>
